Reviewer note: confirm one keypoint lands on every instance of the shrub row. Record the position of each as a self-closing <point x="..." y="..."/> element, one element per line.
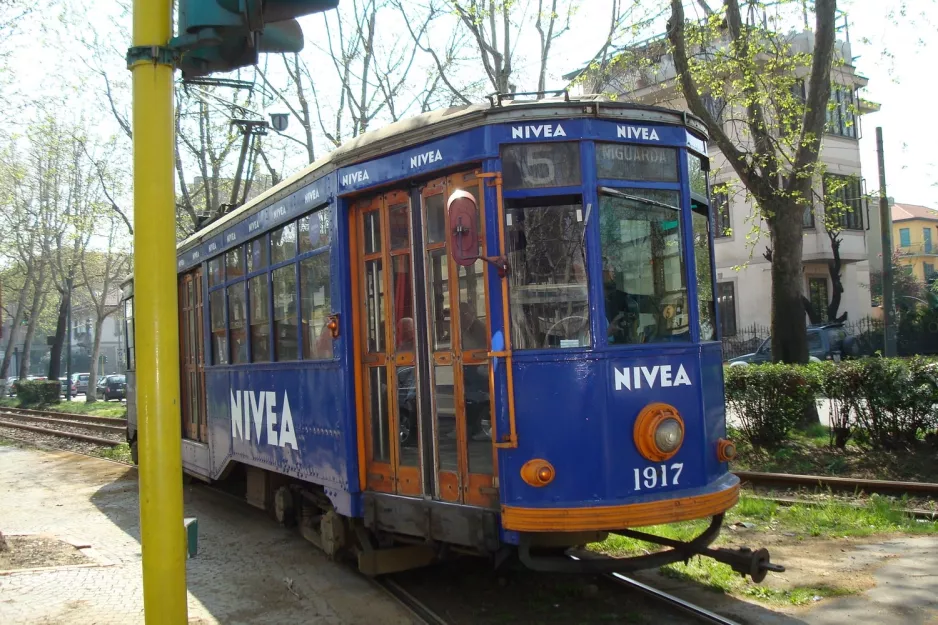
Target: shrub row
<point x="37" y="392"/>
<point x="882" y="403"/>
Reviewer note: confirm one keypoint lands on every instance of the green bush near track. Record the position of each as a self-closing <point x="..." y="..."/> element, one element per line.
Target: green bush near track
<point x="37" y="392"/>
<point x="885" y="404"/>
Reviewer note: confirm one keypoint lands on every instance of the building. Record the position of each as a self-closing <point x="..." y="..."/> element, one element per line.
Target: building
<point x="915" y="236"/>
<point x="111" y="357"/>
<point x="743" y="272"/>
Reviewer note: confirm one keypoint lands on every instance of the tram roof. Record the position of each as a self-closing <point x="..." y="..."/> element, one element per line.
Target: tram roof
<point x="443" y="122"/>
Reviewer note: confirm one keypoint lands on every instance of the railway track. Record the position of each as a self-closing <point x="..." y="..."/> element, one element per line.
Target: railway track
<point x="843" y="484"/>
<point x="416" y="607"/>
<point x="85" y="428"/>
<point x="695" y="611"/>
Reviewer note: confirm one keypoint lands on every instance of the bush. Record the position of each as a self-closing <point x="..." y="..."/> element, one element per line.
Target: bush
<point x="770" y="400"/>
<point x="37" y="392"/>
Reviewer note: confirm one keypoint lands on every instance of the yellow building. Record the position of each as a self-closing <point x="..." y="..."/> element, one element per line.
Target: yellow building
<point x="915" y="236"/>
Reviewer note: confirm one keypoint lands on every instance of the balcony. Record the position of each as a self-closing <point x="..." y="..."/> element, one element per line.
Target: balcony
<point x="919" y="249"/>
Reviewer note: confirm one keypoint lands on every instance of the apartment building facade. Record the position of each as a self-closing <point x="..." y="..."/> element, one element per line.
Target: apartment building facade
<point x="743" y="272"/>
<point x="915" y="237"/>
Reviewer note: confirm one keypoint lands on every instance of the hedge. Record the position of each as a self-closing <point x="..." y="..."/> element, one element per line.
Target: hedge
<point x="885" y="404"/>
<point x="37" y="392"/>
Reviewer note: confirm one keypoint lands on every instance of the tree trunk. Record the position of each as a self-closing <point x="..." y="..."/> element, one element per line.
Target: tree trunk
<point x="39" y="299"/>
<point x="91" y="395"/>
<point x="55" y="356"/>
<point x="789" y="336"/>
<point x="14" y="326"/>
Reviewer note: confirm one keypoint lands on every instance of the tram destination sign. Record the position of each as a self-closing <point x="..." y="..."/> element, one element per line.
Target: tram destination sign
<point x="626" y="161"/>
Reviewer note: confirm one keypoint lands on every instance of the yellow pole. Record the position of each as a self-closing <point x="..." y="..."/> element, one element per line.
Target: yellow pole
<point x="161" y="521"/>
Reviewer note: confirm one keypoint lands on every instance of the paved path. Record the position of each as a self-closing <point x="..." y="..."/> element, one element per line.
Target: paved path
<point x="248" y="569"/>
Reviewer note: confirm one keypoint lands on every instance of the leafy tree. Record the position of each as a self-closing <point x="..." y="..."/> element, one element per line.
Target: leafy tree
<point x="755" y="69"/>
<point x="904" y="284"/>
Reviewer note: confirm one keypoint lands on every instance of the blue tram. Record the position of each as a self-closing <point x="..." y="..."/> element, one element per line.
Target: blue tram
<point x="488" y="328"/>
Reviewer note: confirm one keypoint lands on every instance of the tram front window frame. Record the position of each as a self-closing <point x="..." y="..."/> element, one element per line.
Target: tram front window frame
<point x="641" y="184"/>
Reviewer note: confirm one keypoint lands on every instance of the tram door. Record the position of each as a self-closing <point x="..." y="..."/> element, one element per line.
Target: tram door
<point x="192" y="357"/>
<point x="425" y="336"/>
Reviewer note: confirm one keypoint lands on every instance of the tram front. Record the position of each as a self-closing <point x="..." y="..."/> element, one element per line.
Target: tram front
<point x="608" y="379"/>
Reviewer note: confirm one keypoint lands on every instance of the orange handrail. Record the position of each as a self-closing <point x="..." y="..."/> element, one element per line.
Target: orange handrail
<point x="509" y="441"/>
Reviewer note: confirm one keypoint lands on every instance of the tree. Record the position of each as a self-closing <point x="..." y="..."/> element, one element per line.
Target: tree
<point x="101" y="273"/>
<point x="904" y="284"/>
<point x="755" y="69"/>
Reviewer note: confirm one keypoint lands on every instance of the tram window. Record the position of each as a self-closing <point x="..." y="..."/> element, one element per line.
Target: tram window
<point x="314" y="230"/>
<point x="372" y="222"/>
<point x="621" y="161"/>
<point x="216" y="271"/>
<point x="315" y="306"/>
<point x="704" y="271"/>
<point x="285" y="343"/>
<point x="129" y="333"/>
<point x="283" y="244"/>
<point x="644" y="285"/>
<point x="697" y="172"/>
<point x="399" y="225"/>
<point x="217" y="316"/>
<point x="237" y="316"/>
<point x="260" y="319"/>
<point x="438" y="276"/>
<point x="533" y="165"/>
<point x="257" y="254"/>
<point x="436" y="218"/>
<point x="547" y="255"/>
<point x="234" y="262"/>
<point x="403" y="301"/>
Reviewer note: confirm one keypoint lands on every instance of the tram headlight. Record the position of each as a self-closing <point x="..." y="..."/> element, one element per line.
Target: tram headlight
<point x="537" y="473"/>
<point x="659" y="432"/>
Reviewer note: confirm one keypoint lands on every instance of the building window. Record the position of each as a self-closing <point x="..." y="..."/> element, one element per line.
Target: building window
<point x="929" y="271"/>
<point x="715" y="105"/>
<point x="905" y="239"/>
<point x="721" y="215"/>
<point x="260" y="319"/>
<point x="726" y="301"/>
<point x="807" y="219"/>
<point x="841" y="112"/>
<point x="843" y="196"/>
<point x="817" y="290"/>
<point x="926" y="240"/>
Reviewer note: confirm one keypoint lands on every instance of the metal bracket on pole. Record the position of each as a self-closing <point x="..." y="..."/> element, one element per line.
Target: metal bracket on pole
<point x="158" y="55"/>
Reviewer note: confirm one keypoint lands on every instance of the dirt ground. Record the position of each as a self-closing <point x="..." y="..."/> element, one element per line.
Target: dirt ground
<point x="30" y="552"/>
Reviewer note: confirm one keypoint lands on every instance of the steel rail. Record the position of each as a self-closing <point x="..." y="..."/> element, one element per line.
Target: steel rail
<point x="838" y="483"/>
<point x="699" y="613"/>
<point x="53" y="432"/>
<point x="417" y="607"/>
<point x="55" y="414"/>
<point x="98" y="427"/>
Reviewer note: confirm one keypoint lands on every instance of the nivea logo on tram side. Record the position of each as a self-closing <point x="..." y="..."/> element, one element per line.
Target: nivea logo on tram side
<point x="538" y="131"/>
<point x="636" y="132"/>
<point x="231" y="236"/>
<point x="278" y="212"/>
<point x="662" y="376"/>
<point x="424" y="159"/>
<point x="311" y="196"/>
<point x="259" y="409"/>
<point x="356" y="176"/>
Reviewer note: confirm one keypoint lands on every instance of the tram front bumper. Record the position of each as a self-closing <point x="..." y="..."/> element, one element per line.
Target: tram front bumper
<point x="608" y="518"/>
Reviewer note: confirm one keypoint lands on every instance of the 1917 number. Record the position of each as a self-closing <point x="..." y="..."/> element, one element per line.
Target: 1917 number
<point x="662" y="475"/>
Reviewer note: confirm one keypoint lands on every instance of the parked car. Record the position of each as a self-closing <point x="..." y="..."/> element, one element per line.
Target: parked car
<point x="11" y="386"/>
<point x="63" y="383"/>
<point x="99" y="387"/>
<point x="80" y="380"/>
<point x="825" y="342"/>
<point x="114" y="387"/>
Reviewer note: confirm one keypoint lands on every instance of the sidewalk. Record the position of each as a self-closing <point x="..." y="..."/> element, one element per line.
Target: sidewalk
<point x="248" y="569"/>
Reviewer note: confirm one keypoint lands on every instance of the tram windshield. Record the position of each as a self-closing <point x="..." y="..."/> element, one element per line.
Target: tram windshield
<point x="644" y="283"/>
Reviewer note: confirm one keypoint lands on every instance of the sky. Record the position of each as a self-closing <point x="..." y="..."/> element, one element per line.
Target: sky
<point x="893" y="44"/>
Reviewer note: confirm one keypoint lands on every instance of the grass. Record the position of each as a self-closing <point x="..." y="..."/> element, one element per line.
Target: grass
<point x="809" y="452"/>
<point x="831" y="518"/>
<point x="117" y="410"/>
<point x="120" y="453"/>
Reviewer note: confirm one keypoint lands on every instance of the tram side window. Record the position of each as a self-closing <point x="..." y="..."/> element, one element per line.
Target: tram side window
<point x="234" y="263"/>
<point x="314" y="230"/>
<point x="237" y="320"/>
<point x="644" y="285"/>
<point x="217" y="316"/>
<point x="258" y="294"/>
<point x="129" y="333"/>
<point x="315" y="306"/>
<point x="257" y="254"/>
<point x="547" y="253"/>
<point x="283" y="244"/>
<point x="216" y="271"/>
<point x="285" y="339"/>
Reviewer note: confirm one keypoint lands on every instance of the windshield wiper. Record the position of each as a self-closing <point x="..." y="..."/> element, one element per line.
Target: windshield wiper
<point x="636" y="198"/>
